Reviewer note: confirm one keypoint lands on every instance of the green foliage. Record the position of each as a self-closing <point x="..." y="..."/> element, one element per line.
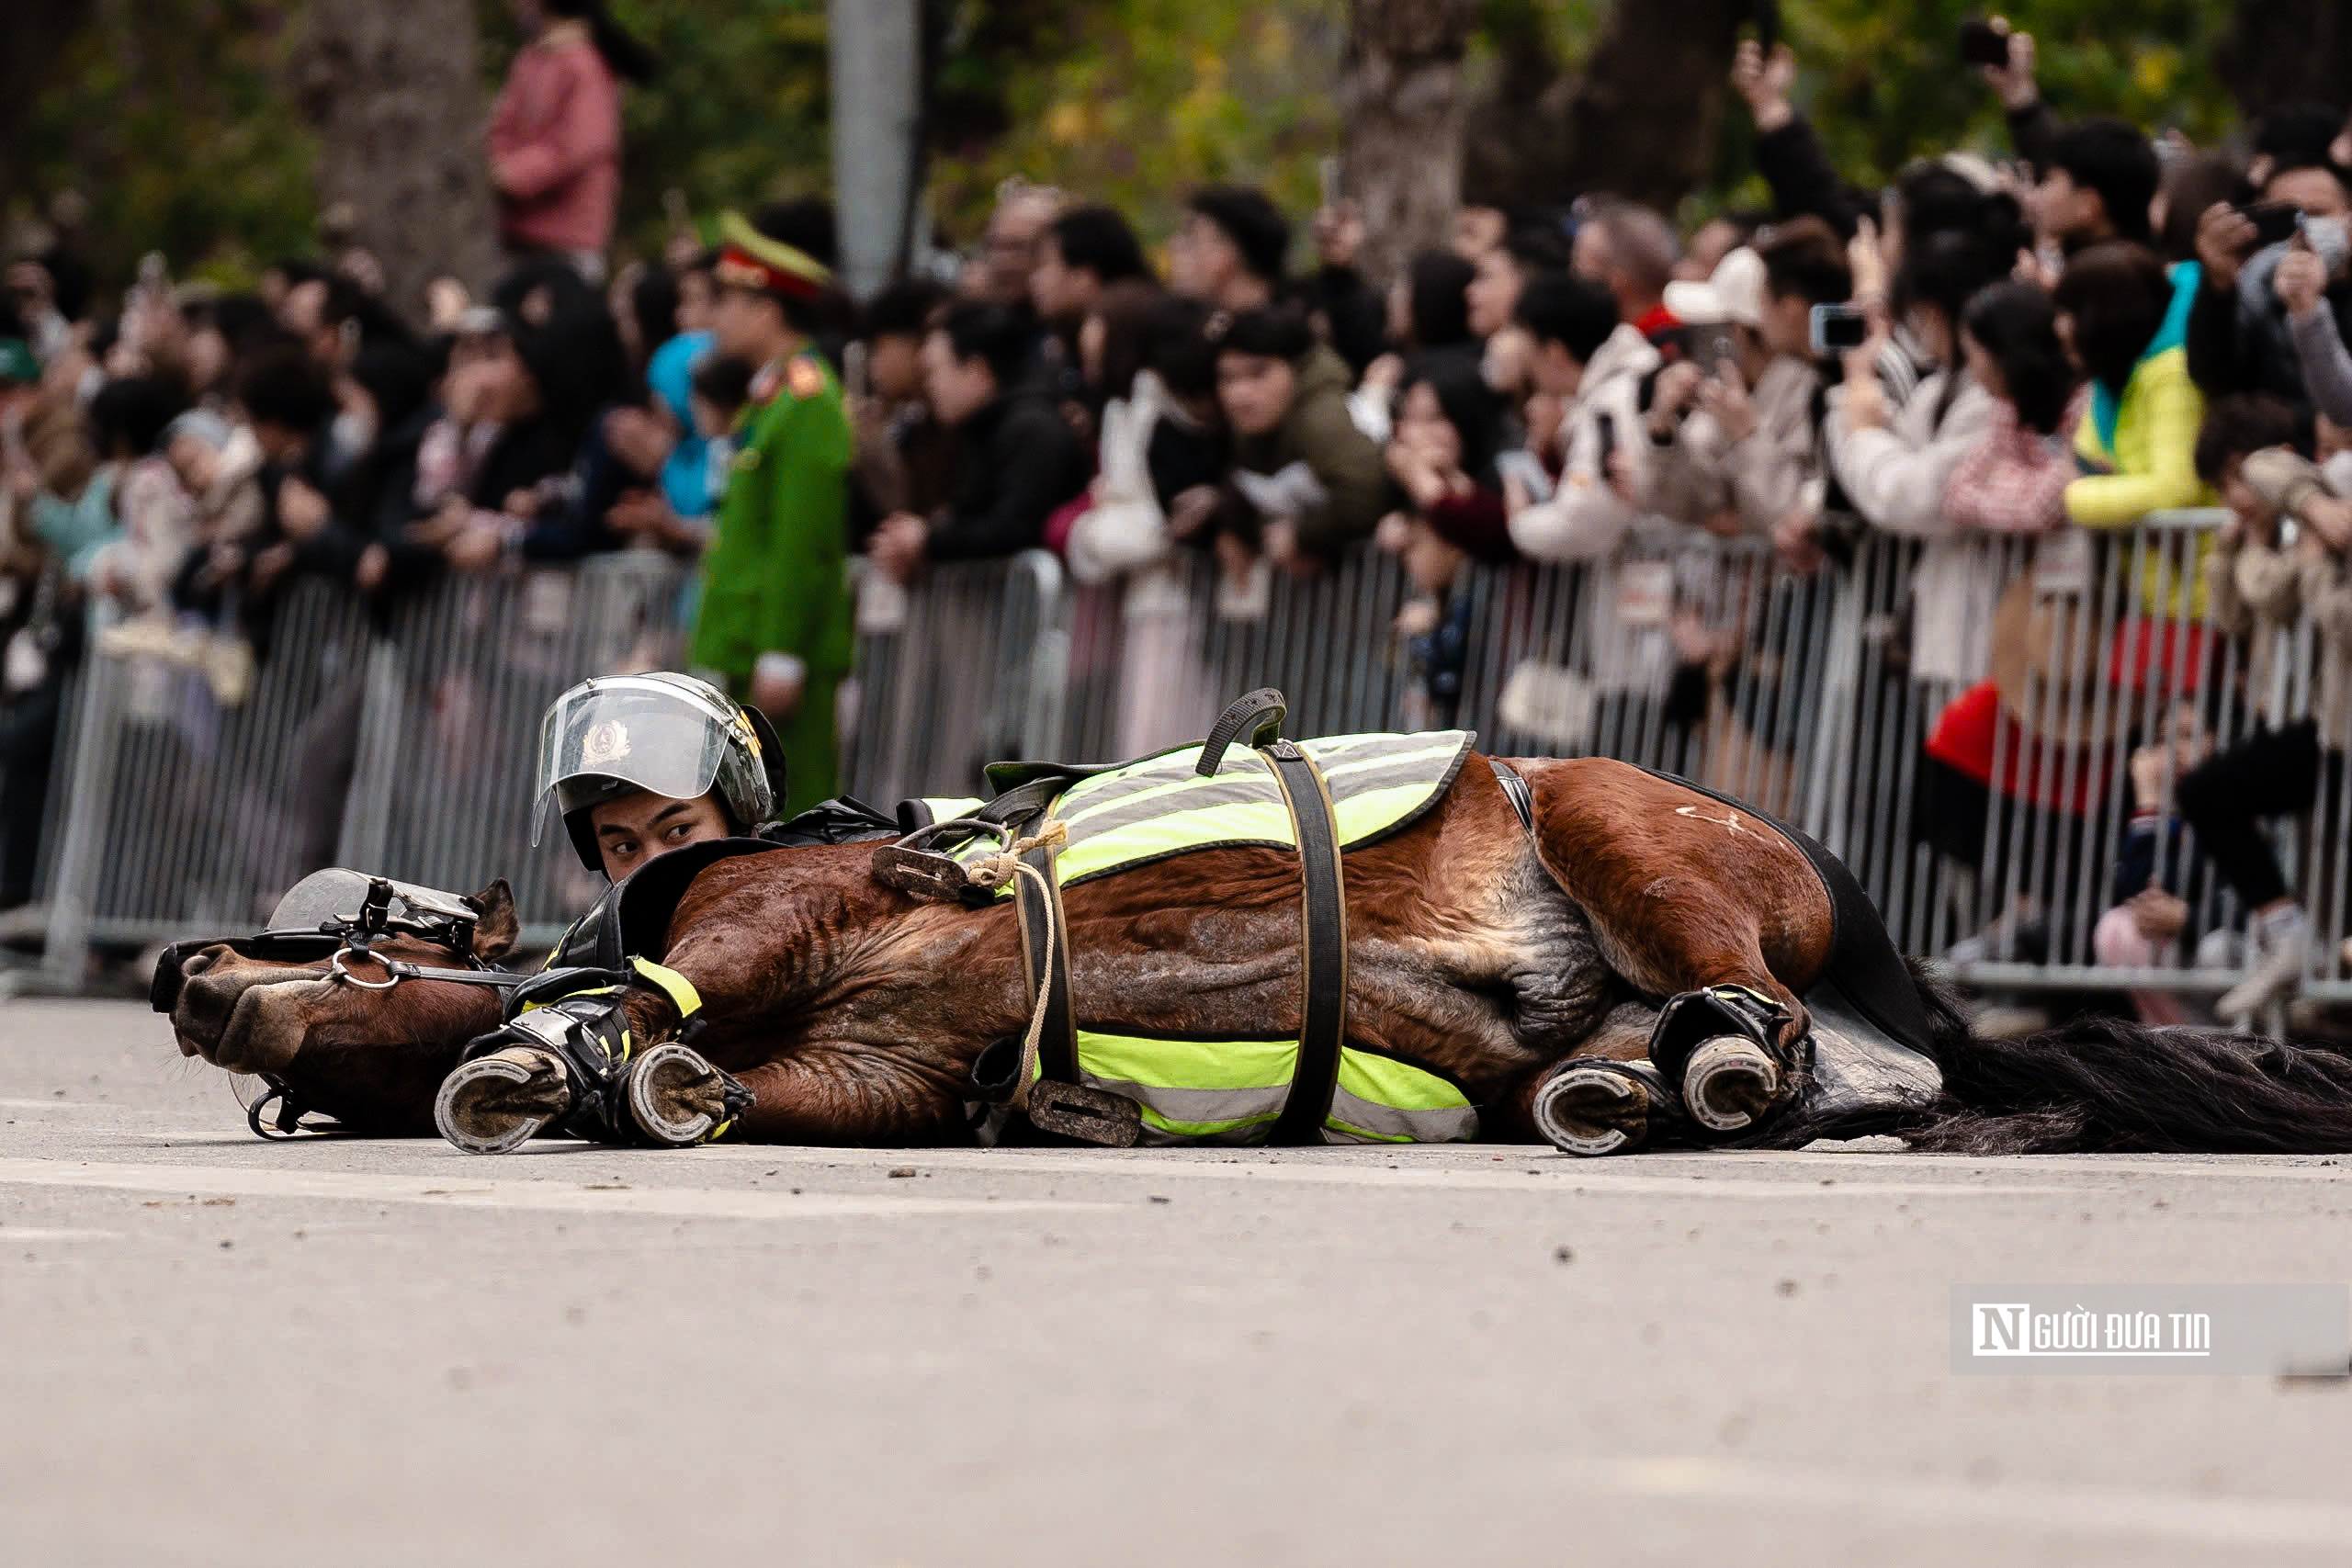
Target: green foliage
<point x="167" y="117"/>
<point x="1140" y="100"/>
<point x="1884" y="83"/>
<point x="171" y="118"/>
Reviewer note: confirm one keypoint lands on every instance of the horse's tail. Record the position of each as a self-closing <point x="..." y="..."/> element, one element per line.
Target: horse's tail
<point x="2100" y="1084"/>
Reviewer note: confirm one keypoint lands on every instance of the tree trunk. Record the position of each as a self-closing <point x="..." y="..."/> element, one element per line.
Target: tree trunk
<point x="32" y="36"/>
<point x="394" y="92"/>
<point x="2285" y="51"/>
<point x="1402" y="118"/>
<point x="1642" y="121"/>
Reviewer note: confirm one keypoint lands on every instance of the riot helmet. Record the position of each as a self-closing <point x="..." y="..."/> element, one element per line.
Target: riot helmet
<point x="663" y="733"/>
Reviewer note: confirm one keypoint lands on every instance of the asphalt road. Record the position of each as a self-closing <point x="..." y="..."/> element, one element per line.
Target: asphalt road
<point x="218" y="1351"/>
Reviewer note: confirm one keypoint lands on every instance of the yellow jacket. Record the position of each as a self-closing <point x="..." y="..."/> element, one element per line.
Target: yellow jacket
<point x="2150" y="460"/>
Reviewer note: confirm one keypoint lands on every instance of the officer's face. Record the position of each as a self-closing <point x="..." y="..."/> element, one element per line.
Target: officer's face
<point x="636" y="827"/>
<point x="745" y="324"/>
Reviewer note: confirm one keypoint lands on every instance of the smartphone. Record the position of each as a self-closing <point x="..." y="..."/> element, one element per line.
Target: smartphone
<point x="1982" y="43"/>
<point x="2274" y="221"/>
<point x="1837" y="328"/>
<point x="1709" y="346"/>
<point x="1767" y="16"/>
<point x="1606" y="424"/>
<point x="1328" y="171"/>
<point x="853" y="370"/>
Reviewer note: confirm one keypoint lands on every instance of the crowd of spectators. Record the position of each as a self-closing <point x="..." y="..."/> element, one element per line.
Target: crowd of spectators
<point x="2100" y="327"/>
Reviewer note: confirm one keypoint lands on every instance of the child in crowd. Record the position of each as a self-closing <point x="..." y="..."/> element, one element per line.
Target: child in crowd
<point x="2259" y="585"/>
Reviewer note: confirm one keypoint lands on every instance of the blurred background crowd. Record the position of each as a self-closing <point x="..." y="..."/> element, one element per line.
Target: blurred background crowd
<point x="2040" y="336"/>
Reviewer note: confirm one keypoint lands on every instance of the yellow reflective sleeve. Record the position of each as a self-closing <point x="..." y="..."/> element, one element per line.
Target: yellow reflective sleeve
<point x="670" y="984"/>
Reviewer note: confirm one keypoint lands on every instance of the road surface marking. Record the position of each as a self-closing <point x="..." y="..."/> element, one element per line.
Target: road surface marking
<point x="459" y="1192"/>
<point x="2231" y="1522"/>
<point x="50" y="1233"/>
<point x="1553" y="1173"/>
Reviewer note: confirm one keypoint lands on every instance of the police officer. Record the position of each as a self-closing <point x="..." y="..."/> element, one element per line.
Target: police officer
<point x="774" y="620"/>
<point x="638" y="766"/>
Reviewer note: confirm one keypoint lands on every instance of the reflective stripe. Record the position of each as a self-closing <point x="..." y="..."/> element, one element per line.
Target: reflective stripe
<point x="1383" y="1101"/>
<point x="948" y="807"/>
<point x="1262" y="821"/>
<point x="1160" y="807"/>
<point x="672" y="984"/>
<point x="1231" y="1091"/>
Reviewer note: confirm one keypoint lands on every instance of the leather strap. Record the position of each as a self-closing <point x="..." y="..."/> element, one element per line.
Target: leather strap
<point x="1323" y="981"/>
<point x="1041" y="910"/>
<point x="1261" y="712"/>
<point x="1515" y="790"/>
<point x="1029" y="800"/>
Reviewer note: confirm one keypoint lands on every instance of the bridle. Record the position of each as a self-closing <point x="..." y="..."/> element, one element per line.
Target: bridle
<point x="341" y="940"/>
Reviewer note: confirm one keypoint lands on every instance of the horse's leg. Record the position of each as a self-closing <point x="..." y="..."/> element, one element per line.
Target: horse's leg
<point x="827" y="1096"/>
<point x="1683" y="895"/>
<point x="1604" y="1099"/>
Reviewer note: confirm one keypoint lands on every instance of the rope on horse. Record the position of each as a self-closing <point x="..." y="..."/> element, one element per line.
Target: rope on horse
<point x="993" y="871"/>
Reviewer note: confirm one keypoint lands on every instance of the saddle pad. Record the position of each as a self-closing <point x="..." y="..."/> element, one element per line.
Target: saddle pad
<point x="1159" y="806"/>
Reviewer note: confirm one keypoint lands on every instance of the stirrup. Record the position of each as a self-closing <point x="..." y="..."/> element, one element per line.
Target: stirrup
<point x="1089" y="1115"/>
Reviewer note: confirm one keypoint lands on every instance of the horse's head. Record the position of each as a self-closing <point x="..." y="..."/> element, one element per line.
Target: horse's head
<point x="371" y="1058"/>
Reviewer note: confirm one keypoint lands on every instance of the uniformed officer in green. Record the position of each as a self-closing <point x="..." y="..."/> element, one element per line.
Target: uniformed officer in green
<point x="776" y="620"/>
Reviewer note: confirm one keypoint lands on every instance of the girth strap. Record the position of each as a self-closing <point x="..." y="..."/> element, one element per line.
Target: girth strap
<point x="1055" y="1100"/>
<point x="1323" y="982"/>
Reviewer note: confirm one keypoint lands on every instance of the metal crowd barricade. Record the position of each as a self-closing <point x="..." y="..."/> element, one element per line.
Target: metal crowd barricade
<point x="1814" y="698"/>
<point x="1152" y="663"/>
<point x="199" y="778"/>
<point x="446" y="755"/>
<point x="971" y="671"/>
<point x="1842" y="703"/>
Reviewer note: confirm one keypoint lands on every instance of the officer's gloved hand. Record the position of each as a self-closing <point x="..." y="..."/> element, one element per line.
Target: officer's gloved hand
<point x="574" y="1065"/>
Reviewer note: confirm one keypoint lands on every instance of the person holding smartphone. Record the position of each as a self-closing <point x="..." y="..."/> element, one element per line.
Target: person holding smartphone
<point x="1732" y="442"/>
<point x="1894" y="466"/>
<point x="1595" y="364"/>
<point x="2276" y="286"/>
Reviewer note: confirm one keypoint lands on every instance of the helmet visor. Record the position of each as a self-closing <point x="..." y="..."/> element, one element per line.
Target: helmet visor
<point x="333" y="897"/>
<point x="608" y="737"/>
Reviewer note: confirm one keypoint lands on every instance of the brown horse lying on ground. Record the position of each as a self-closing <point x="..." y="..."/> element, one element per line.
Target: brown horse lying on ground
<point x="1478" y="950"/>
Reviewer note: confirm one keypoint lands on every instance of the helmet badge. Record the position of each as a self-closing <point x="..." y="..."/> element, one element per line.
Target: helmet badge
<point x="606" y="742"/>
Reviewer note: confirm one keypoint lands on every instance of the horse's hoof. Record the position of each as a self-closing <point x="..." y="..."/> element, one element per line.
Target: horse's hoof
<point x="1594" y="1107"/>
<point x="497" y="1103"/>
<point x="675" y="1097"/>
<point x="1730" y="1083"/>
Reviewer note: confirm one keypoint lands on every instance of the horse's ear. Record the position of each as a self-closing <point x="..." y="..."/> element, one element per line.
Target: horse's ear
<point x="498" y="929"/>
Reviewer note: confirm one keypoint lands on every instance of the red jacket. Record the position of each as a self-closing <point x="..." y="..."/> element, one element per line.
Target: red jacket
<point x="555" y="145"/>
